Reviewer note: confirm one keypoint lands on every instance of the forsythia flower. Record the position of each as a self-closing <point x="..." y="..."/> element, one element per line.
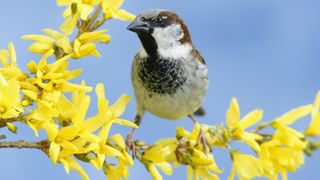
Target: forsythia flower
<point x="52" y="40"/>
<point x="287" y="135"/>
<point x="100" y="147"/>
<point x="111" y="10"/>
<point x="314" y="126"/>
<point x="76" y="136"/>
<point x="10" y="69"/>
<point x="71" y="164"/>
<point x="54" y="76"/>
<point x="159" y="156"/>
<point x="76" y="9"/>
<point x="121" y="171"/>
<point x="10" y="104"/>
<point x="84" y="7"/>
<point x="60" y="139"/>
<point x="246" y="166"/>
<point x="84" y="46"/>
<point x="285" y="151"/>
<point x="237" y="126"/>
<point x="277" y="158"/>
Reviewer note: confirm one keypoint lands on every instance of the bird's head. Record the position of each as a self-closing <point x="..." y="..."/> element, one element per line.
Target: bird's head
<point x="160" y="30"/>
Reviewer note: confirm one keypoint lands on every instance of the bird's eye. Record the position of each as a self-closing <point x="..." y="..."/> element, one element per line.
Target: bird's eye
<point x="159" y="20"/>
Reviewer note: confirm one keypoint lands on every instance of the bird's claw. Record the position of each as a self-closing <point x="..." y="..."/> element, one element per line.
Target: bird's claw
<point x="130" y="146"/>
<point x="204" y="142"/>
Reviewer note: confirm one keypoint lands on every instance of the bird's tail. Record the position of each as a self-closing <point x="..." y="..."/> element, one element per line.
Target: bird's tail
<point x="200" y="112"/>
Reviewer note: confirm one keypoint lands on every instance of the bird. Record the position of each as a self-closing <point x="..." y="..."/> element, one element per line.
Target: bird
<point x="168" y="74"/>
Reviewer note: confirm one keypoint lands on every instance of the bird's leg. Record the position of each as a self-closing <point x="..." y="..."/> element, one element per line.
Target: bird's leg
<point x="202" y="136"/>
<point x="130" y="144"/>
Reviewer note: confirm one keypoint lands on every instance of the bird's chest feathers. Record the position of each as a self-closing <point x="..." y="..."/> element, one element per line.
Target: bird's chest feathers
<point x="161" y="76"/>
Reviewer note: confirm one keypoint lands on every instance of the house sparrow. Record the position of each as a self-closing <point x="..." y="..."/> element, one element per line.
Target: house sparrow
<point x="169" y="75"/>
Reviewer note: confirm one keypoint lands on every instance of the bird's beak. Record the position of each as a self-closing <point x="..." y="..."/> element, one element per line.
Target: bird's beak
<point x="139" y="26"/>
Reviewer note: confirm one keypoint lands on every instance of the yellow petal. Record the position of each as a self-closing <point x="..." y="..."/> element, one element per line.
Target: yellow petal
<point x="314" y="127"/>
<point x="233" y="114"/>
<point x="89" y="137"/>
<point x="154" y="172"/>
<point x="189" y="172"/>
<point x="53" y="67"/>
<point x="104" y="132"/>
<point x="201" y="161"/>
<point x="82" y="109"/>
<point x="76" y="47"/>
<point x="96" y="122"/>
<point x="85" y="11"/>
<point x="39" y="38"/>
<point x="154" y="154"/>
<point x="119" y="107"/>
<point x="13" y="128"/>
<point x="124" y="122"/>
<point x="112" y="152"/>
<point x="100" y="91"/>
<point x="251" y="142"/>
<point x="32" y="95"/>
<point x="12" y="52"/>
<point x="70" y="87"/>
<point x="251" y="118"/>
<point x="64" y="2"/>
<point x="87" y="49"/>
<point x="124" y="15"/>
<point x="69" y="24"/>
<point x="91" y="36"/>
<point x="4" y="57"/>
<point x="284" y="175"/>
<point x="165" y="167"/>
<point x="68" y="132"/>
<point x="32" y="66"/>
<point x="54" y="151"/>
<point x="40" y="48"/>
<point x="316" y="105"/>
<point x="72" y="74"/>
<point x="53" y="33"/>
<point x="64" y="43"/>
<point x="295" y="114"/>
<point x="117" y="138"/>
<point x="114" y="4"/>
<point x="247" y="166"/>
<point x="73" y="165"/>
<point x="68" y="146"/>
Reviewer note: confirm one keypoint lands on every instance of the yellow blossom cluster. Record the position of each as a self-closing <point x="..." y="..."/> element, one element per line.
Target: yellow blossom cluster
<point x="278" y="150"/>
<point x="77" y="16"/>
<point x="44" y="98"/>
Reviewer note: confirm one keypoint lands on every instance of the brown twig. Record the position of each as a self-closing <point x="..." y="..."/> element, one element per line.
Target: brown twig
<point x="21" y="144"/>
<point x="92" y="19"/>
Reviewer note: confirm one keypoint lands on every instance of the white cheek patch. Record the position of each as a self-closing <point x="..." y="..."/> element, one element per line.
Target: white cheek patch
<point x="168" y="41"/>
<point x="168" y="36"/>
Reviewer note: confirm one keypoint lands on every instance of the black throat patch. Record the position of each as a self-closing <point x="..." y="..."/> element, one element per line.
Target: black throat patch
<point x="149" y="44"/>
<point x="161" y="76"/>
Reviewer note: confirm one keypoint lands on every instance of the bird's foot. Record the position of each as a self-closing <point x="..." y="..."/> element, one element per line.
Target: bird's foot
<point x="130" y="146"/>
<point x="202" y="140"/>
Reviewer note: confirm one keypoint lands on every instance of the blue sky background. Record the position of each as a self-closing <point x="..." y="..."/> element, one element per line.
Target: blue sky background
<point x="265" y="53"/>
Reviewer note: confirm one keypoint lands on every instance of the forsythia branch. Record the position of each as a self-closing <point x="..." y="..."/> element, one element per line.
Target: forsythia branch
<point x="23" y="145"/>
